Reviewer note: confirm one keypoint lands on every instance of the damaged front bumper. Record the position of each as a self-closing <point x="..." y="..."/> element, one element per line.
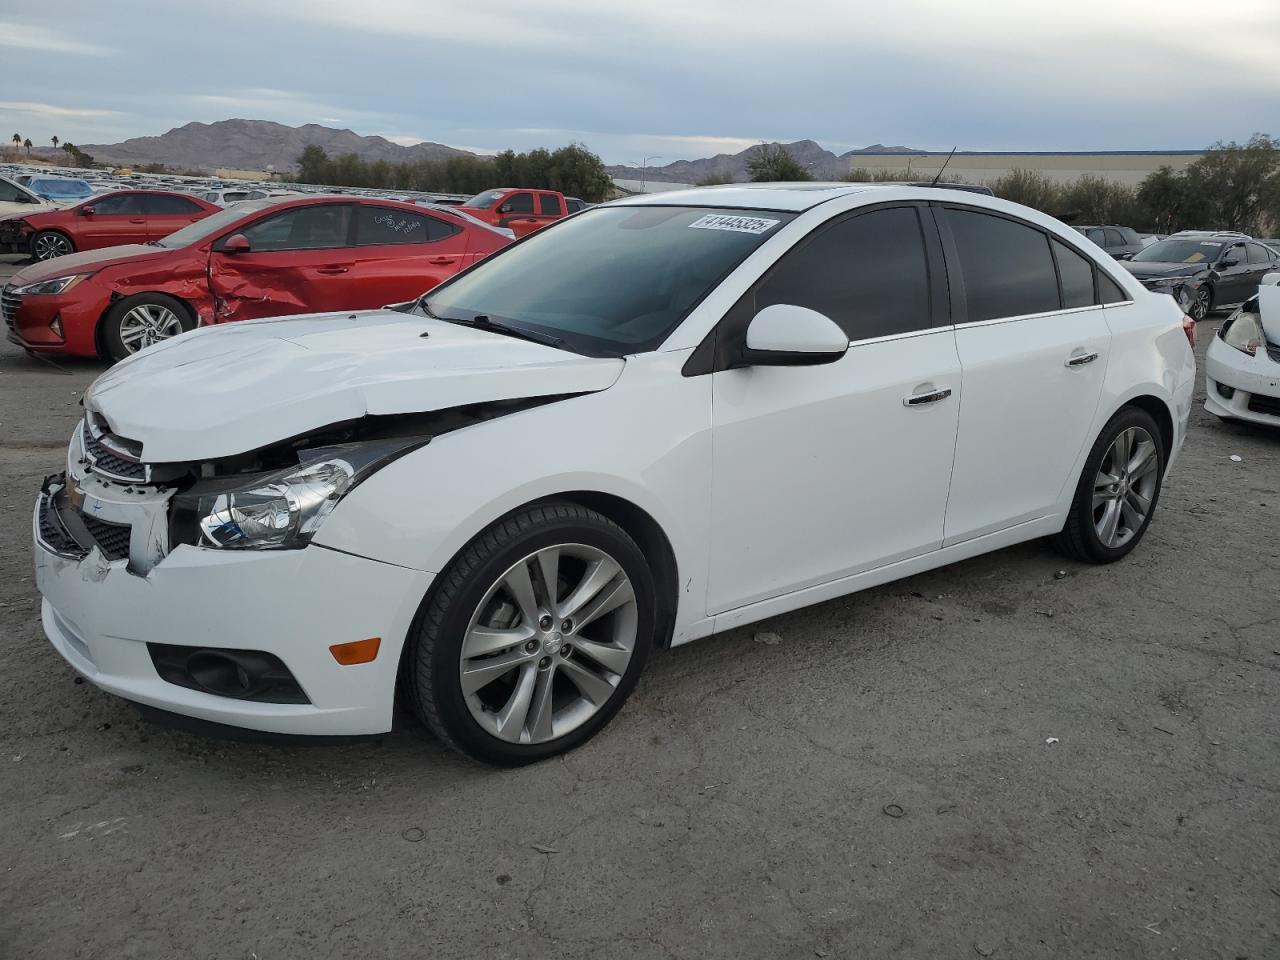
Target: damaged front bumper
<point x="109" y="604"/>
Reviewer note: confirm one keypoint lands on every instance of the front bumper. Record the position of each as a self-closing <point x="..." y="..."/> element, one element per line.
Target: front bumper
<point x="294" y="604"/>
<point x="30" y="319"/>
<point x="1252" y="382"/>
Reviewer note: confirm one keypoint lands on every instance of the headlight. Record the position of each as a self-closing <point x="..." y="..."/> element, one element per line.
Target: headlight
<point x="1244" y="332"/>
<point x="1165" y="282"/>
<point x="282" y="509"/>
<point x="58" y="285"/>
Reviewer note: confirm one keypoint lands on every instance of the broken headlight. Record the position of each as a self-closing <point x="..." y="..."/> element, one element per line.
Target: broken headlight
<point x="281" y="509"/>
<point x="1243" y="330"/>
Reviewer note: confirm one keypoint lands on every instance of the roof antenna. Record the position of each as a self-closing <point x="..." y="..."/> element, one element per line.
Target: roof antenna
<point x="934" y="181"/>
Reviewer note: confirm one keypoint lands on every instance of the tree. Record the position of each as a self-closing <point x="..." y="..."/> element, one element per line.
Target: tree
<point x="1238" y="182"/>
<point x="715" y="180"/>
<point x="1028" y="187"/>
<point x="55" y="141"/>
<point x="771" y="163"/>
<point x="27" y="143"/>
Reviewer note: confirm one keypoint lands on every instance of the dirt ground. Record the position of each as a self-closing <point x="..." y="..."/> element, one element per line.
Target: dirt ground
<point x="882" y="782"/>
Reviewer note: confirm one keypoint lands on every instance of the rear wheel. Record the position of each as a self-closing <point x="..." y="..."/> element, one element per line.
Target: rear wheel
<point x="534" y="636"/>
<point x="48" y="244"/>
<point x="1118" y="490"/>
<point x="139" y="321"/>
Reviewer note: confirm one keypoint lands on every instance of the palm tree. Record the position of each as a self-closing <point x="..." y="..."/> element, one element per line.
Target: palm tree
<point x="27" y="143"/>
<point x="55" y="141"/>
<point x="17" y="140"/>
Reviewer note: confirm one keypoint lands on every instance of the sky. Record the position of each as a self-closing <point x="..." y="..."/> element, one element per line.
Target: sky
<point x="665" y="79"/>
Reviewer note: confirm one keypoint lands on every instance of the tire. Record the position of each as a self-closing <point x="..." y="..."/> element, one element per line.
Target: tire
<point x="141" y="320"/>
<point x="1202" y="303"/>
<point x="1087" y="536"/>
<point x="515" y="664"/>
<point x="50" y="244"/>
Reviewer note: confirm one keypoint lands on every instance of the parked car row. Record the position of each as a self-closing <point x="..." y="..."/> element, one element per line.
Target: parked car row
<point x="1204" y="270"/>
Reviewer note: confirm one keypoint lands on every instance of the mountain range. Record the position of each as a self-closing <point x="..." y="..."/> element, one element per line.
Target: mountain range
<point x="257" y="145"/>
<point x="822" y="163"/>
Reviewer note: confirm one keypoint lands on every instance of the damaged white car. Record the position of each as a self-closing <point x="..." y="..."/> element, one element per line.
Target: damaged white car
<point x="1242" y="366"/>
<point x="656" y="420"/>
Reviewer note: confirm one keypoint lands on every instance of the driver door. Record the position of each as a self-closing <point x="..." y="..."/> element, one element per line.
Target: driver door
<point x="517" y="214"/>
<point x="117" y="218"/>
<point x="299" y="261"/>
<point x="821" y="472"/>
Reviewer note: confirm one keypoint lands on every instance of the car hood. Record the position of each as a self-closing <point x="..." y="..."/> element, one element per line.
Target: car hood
<point x="87" y="262"/>
<point x="1149" y="269"/>
<point x="225" y="390"/>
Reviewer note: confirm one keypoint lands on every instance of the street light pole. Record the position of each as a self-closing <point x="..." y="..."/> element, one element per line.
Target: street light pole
<point x="643" y="166"/>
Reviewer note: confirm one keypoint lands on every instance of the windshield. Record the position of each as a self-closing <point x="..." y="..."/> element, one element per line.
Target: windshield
<point x="62" y="189"/>
<point x="612" y="280"/>
<point x="485" y="200"/>
<point x="1180" y="251"/>
<point x="210" y="225"/>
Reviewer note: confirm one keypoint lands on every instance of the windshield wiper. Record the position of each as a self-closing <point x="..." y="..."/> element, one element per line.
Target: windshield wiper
<point x="482" y="321"/>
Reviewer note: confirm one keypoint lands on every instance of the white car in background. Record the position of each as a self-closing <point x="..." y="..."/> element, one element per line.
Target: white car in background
<point x="649" y="422"/>
<point x="226" y="197"/>
<point x="1242" y="366"/>
<point x="15" y="198"/>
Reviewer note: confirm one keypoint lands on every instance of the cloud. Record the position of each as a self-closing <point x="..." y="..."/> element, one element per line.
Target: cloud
<point x="26" y="37"/>
<point x="51" y="111"/>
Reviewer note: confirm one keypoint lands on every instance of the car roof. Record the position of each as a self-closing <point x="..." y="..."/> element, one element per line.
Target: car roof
<point x="796" y="197"/>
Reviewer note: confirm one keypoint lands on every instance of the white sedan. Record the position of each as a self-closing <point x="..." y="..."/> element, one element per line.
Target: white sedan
<point x="652" y="421"/>
<point x="1242" y="366"/>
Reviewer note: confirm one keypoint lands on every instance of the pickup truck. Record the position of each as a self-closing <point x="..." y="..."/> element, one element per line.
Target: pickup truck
<point x="518" y="209"/>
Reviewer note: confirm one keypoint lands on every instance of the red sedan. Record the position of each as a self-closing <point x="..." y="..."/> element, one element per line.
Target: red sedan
<point x="260" y="258"/>
<point x="108" y="220"/>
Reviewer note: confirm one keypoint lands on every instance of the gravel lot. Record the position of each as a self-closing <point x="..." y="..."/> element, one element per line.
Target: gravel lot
<point x="879" y="783"/>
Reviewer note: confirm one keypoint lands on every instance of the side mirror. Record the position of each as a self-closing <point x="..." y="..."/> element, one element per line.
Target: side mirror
<point x="783" y="335"/>
<point x="1228" y="262"/>
<point x="505" y="208"/>
<point x="1124" y="256"/>
<point x="236" y="243"/>
<point x="88" y="211"/>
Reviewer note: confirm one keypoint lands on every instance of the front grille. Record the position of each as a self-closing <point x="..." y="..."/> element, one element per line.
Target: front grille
<point x="1259" y="403"/>
<point x="52" y="533"/>
<point x="107" y="463"/>
<point x="112" y="538"/>
<point x="9" y="304"/>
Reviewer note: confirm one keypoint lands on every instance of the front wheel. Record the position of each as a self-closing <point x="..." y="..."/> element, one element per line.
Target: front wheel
<point x="1118" y="490"/>
<point x="534" y="636"/>
<point x="48" y="244"/>
<point x="139" y="321"/>
<point x="1202" y="303"/>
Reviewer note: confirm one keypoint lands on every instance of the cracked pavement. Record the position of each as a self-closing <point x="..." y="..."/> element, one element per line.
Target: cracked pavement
<point x="736" y="807"/>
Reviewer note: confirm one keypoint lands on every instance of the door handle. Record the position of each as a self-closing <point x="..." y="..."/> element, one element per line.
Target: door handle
<point x="137" y="220"/>
<point x="330" y="271"/>
<point x="1080" y="359"/>
<point x="920" y="399"/>
<point x="441" y="261"/>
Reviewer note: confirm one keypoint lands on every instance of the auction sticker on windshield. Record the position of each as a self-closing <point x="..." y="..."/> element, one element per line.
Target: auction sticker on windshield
<point x="715" y="221"/>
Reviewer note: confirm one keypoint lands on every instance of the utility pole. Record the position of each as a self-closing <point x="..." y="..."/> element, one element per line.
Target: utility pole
<point x="644" y="164"/>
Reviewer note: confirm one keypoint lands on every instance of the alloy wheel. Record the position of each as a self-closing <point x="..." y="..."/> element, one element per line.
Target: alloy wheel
<point x="1200" y="305"/>
<point x="51" y="245"/>
<point x="1125" y="487"/>
<point x="549" y="643"/>
<point x="148" y="323"/>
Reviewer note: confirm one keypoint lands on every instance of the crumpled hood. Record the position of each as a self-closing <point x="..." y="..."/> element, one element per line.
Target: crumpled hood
<point x="1150" y="269"/>
<point x="90" y="260"/>
<point x="225" y="390"/>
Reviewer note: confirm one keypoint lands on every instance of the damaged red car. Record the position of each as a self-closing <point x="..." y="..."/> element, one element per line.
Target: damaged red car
<point x="260" y="258"/>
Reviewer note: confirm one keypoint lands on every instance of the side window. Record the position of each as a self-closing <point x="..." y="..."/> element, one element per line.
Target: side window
<point x="119" y="203"/>
<point x="867" y="273"/>
<point x="1110" y="291"/>
<point x="383" y="225"/>
<point x="1076" y="274"/>
<point x="1114" y="238"/>
<point x="1259" y="254"/>
<point x="1096" y="235"/>
<point x="162" y="204"/>
<point x="1007" y="266"/>
<point x="548" y="205"/>
<point x="518" y="203"/>
<point x="1237" y="253"/>
<point x="303" y="228"/>
<point x="9" y="193"/>
<point x="572" y="206"/>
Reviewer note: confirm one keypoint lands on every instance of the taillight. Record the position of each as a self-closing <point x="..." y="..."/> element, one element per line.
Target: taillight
<point x="1189" y="328"/>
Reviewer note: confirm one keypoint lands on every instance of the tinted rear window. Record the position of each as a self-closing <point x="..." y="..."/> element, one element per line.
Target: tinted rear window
<point x="1008" y="270"/>
<point x="1077" y="276"/>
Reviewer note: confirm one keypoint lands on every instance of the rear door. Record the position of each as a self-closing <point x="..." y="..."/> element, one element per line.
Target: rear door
<point x="1033" y="351"/>
<point x="117" y="218"/>
<point x="168" y="213"/>
<point x="550" y="209"/>
<point x="299" y="261"/>
<point x="1262" y="260"/>
<point x="400" y="254"/>
<point x="1235" y="282"/>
